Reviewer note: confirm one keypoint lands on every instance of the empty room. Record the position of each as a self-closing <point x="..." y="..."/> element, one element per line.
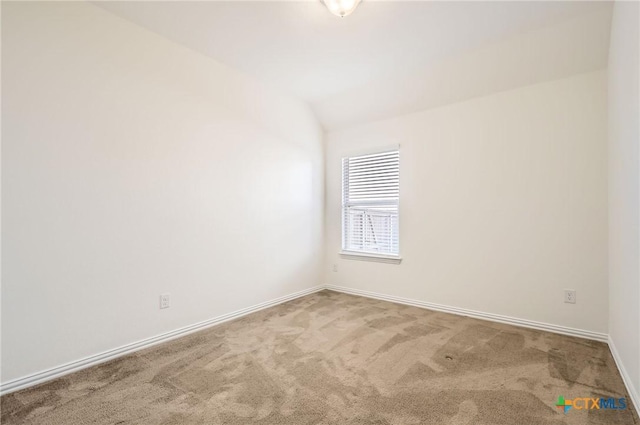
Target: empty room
<point x="320" y="212"/>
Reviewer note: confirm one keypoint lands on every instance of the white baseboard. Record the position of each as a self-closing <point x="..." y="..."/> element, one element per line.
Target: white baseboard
<point x="58" y="371"/>
<point x="631" y="389"/>
<point x="564" y="330"/>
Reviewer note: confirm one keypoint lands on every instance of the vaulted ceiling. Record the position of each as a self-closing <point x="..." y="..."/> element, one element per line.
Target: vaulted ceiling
<point x="388" y="57"/>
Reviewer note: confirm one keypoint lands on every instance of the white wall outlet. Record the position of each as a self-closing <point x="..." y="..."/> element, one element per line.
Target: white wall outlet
<point x="335" y="267"/>
<point x="569" y="296"/>
<point x="165" y="300"/>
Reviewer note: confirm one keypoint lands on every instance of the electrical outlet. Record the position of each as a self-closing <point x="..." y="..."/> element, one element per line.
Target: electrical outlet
<point x="335" y="267"/>
<point x="165" y="300"/>
<point x="569" y="296"/>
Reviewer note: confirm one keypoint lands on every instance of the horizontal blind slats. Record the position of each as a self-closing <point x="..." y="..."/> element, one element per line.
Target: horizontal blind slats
<point x="361" y="165"/>
<point x="374" y="157"/>
<point x="391" y="167"/>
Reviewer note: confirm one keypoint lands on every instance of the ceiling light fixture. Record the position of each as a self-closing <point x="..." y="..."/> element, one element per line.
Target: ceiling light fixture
<point x="341" y="8"/>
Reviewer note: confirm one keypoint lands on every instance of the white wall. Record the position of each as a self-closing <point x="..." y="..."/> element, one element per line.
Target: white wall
<point x="624" y="188"/>
<point x="503" y="204"/>
<point x="129" y="169"/>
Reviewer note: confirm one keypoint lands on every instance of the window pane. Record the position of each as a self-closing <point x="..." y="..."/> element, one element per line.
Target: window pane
<point x="370" y="197"/>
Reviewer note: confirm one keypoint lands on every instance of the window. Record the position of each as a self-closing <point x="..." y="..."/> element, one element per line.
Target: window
<point x="370" y="198"/>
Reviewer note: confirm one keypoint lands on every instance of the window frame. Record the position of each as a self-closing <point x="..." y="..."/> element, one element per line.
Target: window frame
<point x="366" y="255"/>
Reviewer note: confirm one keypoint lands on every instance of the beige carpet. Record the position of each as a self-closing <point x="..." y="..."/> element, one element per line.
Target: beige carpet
<point x="332" y="358"/>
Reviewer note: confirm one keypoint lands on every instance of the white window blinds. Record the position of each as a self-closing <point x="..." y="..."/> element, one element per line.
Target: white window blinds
<point x="370" y="198"/>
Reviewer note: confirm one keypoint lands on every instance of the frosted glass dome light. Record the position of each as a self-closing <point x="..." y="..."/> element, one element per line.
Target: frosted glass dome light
<point x="341" y="8"/>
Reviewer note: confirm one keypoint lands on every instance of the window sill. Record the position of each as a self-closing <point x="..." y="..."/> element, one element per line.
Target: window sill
<point x="368" y="256"/>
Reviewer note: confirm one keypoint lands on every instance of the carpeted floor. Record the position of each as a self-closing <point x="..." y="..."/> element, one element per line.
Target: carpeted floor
<point x="331" y="358"/>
